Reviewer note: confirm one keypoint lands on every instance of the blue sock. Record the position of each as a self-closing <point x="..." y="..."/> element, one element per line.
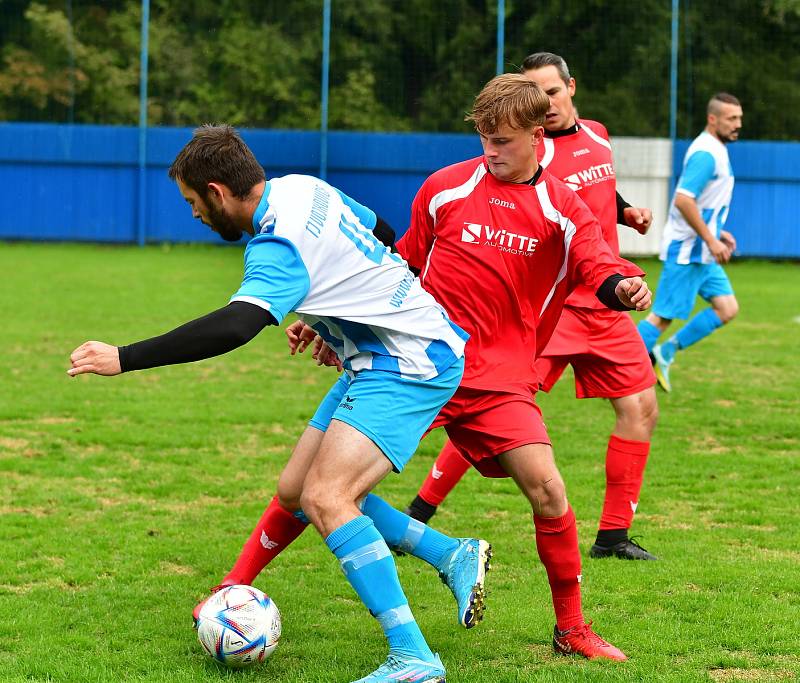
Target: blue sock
<point x="407" y="534"/>
<point x="703" y="324"/>
<point x="369" y="567"/>
<point x="649" y="333"/>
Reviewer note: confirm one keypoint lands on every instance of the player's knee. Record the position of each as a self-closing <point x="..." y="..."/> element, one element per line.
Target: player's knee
<point x="315" y="501"/>
<point x="549" y="497"/>
<point x="728" y="311"/>
<point x="648" y="410"/>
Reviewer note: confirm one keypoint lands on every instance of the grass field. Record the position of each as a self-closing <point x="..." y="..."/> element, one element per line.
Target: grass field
<point x="122" y="500"/>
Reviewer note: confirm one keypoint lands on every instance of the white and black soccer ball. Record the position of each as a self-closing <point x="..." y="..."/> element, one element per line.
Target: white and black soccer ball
<point x="239" y="626"/>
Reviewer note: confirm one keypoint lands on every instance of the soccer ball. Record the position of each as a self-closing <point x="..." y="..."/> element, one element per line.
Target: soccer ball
<point x="239" y="626"/>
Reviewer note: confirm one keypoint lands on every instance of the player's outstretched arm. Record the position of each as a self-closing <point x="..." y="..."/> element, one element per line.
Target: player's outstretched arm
<point x="216" y="333"/>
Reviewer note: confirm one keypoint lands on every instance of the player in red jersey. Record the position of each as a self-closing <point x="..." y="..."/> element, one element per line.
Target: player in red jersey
<point x="600" y="344"/>
<point x="500" y="243"/>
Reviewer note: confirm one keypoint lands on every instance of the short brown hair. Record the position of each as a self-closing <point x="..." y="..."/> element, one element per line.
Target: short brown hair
<point x="721" y="98"/>
<point x="510" y="99"/>
<point x="217" y="153"/>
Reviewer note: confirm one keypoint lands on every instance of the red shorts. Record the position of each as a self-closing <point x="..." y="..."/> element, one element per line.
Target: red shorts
<point x="605" y="350"/>
<point x="483" y="424"/>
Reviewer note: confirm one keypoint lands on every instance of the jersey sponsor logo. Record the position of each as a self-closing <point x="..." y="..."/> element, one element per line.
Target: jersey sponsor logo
<point x="402" y="290"/>
<point x="319" y="212"/>
<point x="503" y="202"/>
<point x="267" y="543"/>
<point x="589" y="176"/>
<point x="580" y="152"/>
<point x="498" y="238"/>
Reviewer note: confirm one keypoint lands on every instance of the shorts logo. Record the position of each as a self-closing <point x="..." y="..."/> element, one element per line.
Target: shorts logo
<point x="498" y="238"/>
<point x="347" y="404"/>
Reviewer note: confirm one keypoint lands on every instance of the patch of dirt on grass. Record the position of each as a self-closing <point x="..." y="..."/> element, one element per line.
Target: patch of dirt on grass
<point x="13" y="444"/>
<point x="174" y="568"/>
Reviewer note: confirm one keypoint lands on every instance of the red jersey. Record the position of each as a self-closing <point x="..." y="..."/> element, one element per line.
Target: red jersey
<point x="582" y="159"/>
<point x="501" y="258"/>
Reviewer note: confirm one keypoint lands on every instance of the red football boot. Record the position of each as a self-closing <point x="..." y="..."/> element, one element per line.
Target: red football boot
<point x="581" y="640"/>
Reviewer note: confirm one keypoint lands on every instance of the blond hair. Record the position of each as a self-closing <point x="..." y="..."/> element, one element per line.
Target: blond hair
<point x="510" y="99"/>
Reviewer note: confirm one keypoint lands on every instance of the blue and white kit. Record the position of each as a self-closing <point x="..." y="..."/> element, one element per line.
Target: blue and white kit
<point x="707" y="178"/>
<point x="314" y="253"/>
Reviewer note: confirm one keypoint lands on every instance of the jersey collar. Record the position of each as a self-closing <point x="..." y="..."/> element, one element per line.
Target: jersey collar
<point x="264" y="216"/>
<point x="561" y="133"/>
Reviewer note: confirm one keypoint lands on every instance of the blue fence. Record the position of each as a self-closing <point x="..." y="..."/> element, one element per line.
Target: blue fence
<point x="80" y="183"/>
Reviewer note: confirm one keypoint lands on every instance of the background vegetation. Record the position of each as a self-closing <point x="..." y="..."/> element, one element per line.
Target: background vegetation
<point x="395" y="66"/>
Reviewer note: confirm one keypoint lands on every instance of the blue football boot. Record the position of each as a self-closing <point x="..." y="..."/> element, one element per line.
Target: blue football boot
<point x="397" y="668"/>
<point x="464" y="573"/>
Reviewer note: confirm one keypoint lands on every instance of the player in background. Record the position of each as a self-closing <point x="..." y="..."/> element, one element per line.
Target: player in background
<point x="500" y="243"/>
<point x="602" y="345"/>
<point x="313" y="252"/>
<point x="695" y="244"/>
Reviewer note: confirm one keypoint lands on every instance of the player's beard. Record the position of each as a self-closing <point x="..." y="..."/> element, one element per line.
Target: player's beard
<point x="223" y="225"/>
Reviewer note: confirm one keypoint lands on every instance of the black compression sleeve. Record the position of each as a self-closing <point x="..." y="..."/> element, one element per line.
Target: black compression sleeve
<point x="384" y="232"/>
<point x="218" y="332"/>
<point x="621" y="206"/>
<point x="605" y="293"/>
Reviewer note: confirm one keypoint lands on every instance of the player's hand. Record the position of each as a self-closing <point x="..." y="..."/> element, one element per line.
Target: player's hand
<point x="639" y="219"/>
<point x="95" y="357"/>
<point x="728" y="239"/>
<point x="325" y="355"/>
<point x="634" y="293"/>
<point x="299" y="336"/>
<point x="719" y="250"/>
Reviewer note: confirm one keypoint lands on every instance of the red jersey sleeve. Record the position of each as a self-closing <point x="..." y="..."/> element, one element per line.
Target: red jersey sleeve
<point x="591" y="260"/>
<point x="415" y="245"/>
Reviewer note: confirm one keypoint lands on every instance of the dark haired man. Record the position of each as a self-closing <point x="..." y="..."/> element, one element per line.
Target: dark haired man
<point x="313" y="252"/>
<point x="602" y="345"/>
<point x="695" y="245"/>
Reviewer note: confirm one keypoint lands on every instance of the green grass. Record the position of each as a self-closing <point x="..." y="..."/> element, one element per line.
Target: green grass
<point x="122" y="500"/>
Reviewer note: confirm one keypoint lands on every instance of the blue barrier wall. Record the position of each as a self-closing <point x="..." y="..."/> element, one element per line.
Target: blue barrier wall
<point x="765" y="197"/>
<point x="79" y="183"/>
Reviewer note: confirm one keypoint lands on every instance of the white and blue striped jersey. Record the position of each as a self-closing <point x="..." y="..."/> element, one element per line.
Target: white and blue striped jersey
<point x="314" y="253"/>
<point x="707" y="177"/>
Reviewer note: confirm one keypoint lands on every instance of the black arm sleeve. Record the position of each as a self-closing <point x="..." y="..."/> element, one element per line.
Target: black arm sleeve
<point x="621" y="206"/>
<point x="605" y="293"/>
<point x="218" y="332"/>
<point x="384" y="232"/>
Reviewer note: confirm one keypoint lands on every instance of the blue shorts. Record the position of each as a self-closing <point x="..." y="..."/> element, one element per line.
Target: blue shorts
<point x="393" y="411"/>
<point x="680" y="284"/>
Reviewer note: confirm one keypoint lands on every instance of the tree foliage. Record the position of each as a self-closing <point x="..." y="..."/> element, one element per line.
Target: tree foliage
<point x="414" y="65"/>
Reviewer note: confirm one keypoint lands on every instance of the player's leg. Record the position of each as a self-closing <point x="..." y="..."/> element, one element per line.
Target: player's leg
<point x="651" y="328"/>
<point x="446" y="472"/>
<point x="617" y="368"/>
<point x="714" y="287"/>
<point x="626" y="458"/>
<point x="677" y="289"/>
<point x="283" y="520"/>
<point x="534" y="470"/>
<point x="371" y="434"/>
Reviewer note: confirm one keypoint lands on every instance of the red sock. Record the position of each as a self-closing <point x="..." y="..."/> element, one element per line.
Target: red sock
<point x="557" y="544"/>
<point x="276" y="529"/>
<point x="447" y="471"/>
<point x="625" y="463"/>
